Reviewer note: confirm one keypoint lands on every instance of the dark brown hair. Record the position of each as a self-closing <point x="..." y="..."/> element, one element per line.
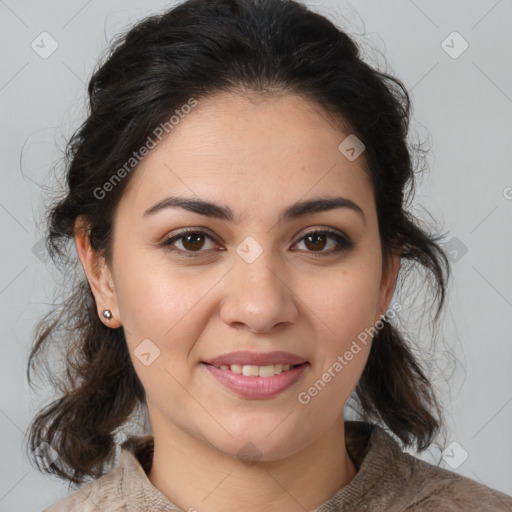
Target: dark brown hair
<point x="194" y="50"/>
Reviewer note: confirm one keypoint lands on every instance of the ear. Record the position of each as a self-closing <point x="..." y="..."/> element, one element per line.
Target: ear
<point x="98" y="274"/>
<point x="388" y="280"/>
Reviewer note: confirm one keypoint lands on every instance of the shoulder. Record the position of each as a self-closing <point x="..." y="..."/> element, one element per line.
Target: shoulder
<point x="391" y="480"/>
<point x="426" y="487"/>
<point x="125" y="488"/>
<point x="108" y="493"/>
<point x="99" y="494"/>
<point x="432" y="488"/>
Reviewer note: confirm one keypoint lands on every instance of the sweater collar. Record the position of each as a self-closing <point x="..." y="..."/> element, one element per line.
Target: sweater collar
<point x="370" y="447"/>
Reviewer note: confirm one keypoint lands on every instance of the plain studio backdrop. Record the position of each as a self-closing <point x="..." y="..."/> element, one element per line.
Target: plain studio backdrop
<point x="453" y="57"/>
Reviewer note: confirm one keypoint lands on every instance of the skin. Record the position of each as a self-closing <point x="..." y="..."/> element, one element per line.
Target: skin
<point x="257" y="156"/>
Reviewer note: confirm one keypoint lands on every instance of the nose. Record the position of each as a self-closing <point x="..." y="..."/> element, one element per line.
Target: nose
<point x="259" y="296"/>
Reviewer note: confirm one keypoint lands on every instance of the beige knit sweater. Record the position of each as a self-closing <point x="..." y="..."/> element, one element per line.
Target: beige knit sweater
<point x="388" y="480"/>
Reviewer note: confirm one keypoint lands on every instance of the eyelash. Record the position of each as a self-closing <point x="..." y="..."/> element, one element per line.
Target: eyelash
<point x="344" y="243"/>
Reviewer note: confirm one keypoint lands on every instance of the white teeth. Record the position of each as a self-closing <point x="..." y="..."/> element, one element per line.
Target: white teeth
<point x="251" y="370"/>
<point x="266" y="371"/>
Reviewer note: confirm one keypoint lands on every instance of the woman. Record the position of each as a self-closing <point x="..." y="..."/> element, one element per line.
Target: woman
<point x="236" y="198"/>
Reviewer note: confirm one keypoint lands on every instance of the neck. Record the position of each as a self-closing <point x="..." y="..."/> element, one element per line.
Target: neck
<point x="196" y="476"/>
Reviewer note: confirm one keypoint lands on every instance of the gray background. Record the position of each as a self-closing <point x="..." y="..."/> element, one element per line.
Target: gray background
<point x="463" y="104"/>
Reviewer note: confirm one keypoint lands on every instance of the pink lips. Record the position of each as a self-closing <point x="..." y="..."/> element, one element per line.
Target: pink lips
<point x="252" y="386"/>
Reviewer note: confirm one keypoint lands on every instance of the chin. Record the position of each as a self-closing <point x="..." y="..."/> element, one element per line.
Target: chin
<point x="263" y="443"/>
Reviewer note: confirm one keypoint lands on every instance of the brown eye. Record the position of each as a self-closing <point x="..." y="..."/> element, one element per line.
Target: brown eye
<point x="316" y="241"/>
<point x="191" y="242"/>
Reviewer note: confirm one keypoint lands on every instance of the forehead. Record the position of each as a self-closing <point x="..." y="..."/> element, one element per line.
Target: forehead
<point x="251" y="149"/>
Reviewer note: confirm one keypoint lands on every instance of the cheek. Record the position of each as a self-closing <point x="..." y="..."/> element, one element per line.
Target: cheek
<point x="168" y="305"/>
<point x="347" y="302"/>
<point x="161" y="319"/>
<point x="150" y="301"/>
<point x="345" y="320"/>
<point x="345" y="311"/>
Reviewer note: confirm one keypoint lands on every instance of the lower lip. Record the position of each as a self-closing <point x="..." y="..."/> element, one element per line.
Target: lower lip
<point x="257" y="387"/>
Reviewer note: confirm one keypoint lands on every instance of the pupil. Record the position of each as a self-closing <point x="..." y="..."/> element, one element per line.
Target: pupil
<point x="317" y="237"/>
<point x="194" y="244"/>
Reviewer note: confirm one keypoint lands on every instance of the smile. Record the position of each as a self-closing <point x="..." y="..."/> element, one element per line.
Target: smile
<point x="257" y="382"/>
<point x="250" y="370"/>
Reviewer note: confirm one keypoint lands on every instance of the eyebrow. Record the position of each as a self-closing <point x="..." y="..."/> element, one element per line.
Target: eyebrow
<point x="292" y="212"/>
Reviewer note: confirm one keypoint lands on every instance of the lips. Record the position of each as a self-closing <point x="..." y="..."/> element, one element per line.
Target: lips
<point x="257" y="376"/>
<point x="245" y="358"/>
<point x="252" y="387"/>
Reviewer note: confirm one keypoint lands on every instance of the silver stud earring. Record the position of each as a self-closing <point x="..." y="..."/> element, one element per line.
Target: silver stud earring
<point x="107" y="314"/>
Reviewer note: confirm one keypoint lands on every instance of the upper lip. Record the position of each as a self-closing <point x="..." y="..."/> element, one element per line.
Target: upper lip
<point x="253" y="358"/>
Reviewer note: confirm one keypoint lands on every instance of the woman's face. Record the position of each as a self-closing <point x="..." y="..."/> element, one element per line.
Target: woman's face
<point x="257" y="282"/>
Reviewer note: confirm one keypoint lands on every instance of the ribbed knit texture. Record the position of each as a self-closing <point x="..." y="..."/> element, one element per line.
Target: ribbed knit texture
<point x="387" y="480"/>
